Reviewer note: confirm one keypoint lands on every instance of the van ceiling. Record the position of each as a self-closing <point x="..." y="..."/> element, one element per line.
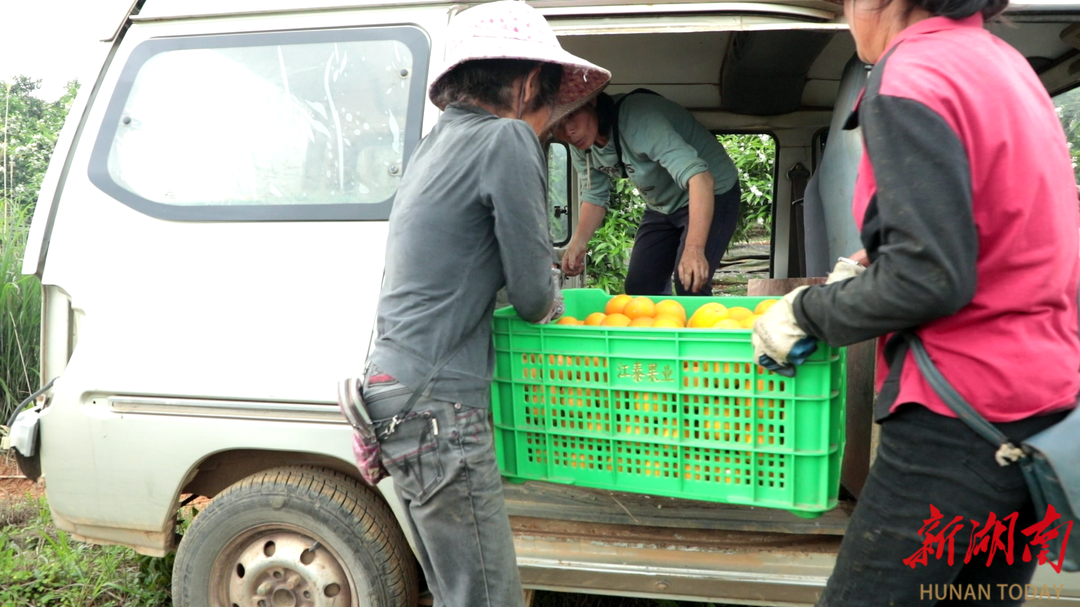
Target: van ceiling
<point x="769" y="72"/>
<point x="764" y="73"/>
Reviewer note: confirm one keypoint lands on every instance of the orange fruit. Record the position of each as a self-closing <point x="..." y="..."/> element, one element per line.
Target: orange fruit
<point x="765" y="305"/>
<point x="640" y="306"/>
<point x="703" y="319"/>
<point x="663" y="321"/>
<point x="616" y="304"/>
<point x="567" y="320"/>
<point x="714" y="305"/>
<point x="672" y="308"/>
<point x="707" y="315"/>
<point x="642" y="321"/>
<point x="739" y="313"/>
<point x="595" y="318"/>
<point x="616" y="320"/>
<point x="727" y="323"/>
<point x="748" y="323"/>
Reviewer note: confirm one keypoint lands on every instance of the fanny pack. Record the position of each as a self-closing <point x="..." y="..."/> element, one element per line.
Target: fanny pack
<point x="366" y="433"/>
<point x="1050" y="461"/>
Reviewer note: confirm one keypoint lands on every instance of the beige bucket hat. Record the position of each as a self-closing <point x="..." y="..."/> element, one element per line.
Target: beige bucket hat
<point x="510" y="29"/>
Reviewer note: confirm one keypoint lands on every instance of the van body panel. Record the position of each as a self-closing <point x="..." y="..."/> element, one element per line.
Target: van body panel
<point x="156" y="328"/>
<point x="182" y="9"/>
<point x="37" y="241"/>
<point x="143" y="491"/>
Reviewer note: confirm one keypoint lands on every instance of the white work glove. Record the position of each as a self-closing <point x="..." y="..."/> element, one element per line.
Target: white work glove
<point x="777" y="331"/>
<point x="558" y="307"/>
<point x="845" y="268"/>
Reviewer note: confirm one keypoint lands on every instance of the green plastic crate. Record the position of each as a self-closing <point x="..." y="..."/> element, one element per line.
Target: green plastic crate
<point x="673" y="412"/>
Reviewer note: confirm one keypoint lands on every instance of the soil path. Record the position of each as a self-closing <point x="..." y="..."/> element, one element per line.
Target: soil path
<point x="13" y="485"/>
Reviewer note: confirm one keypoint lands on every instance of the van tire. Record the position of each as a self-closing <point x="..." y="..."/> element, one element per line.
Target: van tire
<point x="255" y="539"/>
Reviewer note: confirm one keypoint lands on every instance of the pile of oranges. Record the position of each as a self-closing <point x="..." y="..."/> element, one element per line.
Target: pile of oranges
<point x="629" y="311"/>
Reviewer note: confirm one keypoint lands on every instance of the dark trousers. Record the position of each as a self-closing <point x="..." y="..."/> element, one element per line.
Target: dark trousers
<point x="923" y="459"/>
<point x="442" y="461"/>
<point x="658" y="246"/>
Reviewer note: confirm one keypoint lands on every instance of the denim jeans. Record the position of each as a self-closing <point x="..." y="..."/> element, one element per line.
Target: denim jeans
<point x="442" y="460"/>
<point x="923" y="459"/>
<point x="658" y="246"/>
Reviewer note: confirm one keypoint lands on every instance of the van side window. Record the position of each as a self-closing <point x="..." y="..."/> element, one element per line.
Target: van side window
<point x="750" y="253"/>
<point x="559" y="193"/>
<point x="286" y="126"/>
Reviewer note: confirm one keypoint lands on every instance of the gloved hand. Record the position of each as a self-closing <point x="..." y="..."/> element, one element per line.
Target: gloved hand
<point x="845" y="268"/>
<point x="779" y="342"/>
<point x="559" y="306"/>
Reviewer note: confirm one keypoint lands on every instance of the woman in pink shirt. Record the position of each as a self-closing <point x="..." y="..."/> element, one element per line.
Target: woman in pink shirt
<point x="967" y="206"/>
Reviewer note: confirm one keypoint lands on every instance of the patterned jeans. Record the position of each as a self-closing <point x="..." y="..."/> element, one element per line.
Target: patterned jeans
<point x="442" y="460"/>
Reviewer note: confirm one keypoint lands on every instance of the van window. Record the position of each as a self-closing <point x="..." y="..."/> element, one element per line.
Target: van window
<point x="749" y="254"/>
<point x="559" y="193"/>
<point x="301" y="125"/>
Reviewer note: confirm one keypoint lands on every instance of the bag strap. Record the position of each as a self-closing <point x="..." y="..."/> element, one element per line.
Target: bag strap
<point x="1007" y="451"/>
<point x="400" y="417"/>
<point x="615" y="127"/>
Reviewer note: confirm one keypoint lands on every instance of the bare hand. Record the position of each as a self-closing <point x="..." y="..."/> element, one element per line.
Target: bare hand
<point x="860" y="256"/>
<point x="573" y="261"/>
<point x="694" y="269"/>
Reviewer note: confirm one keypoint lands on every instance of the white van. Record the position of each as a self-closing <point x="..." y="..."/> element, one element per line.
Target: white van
<point x="210" y="241"/>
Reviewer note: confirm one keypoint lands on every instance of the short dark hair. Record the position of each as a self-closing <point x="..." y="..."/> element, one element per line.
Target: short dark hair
<point x="605" y="114"/>
<point x="962" y="9"/>
<point x="490" y="82"/>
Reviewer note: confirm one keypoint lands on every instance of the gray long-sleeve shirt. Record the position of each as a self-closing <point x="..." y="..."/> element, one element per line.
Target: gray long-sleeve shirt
<point x="469" y="218"/>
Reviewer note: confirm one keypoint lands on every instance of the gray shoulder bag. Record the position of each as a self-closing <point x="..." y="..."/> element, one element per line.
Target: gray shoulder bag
<point x="1050" y="460"/>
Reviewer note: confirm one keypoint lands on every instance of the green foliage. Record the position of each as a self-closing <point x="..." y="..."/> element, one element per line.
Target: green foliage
<point x="609" y="249"/>
<point x="754" y="156"/>
<point x="30" y="128"/>
<point x="1068" y="109"/>
<point x="44" y="567"/>
<point x="20" y="313"/>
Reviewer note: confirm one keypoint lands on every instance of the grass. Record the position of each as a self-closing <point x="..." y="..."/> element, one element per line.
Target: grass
<point x="20" y="312"/>
<point x="43" y="567"/>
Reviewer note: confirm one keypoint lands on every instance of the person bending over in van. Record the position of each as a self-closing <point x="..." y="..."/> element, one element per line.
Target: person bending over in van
<point x="688" y="181"/>
<point x="469" y="218"/>
<point x="966" y="204"/>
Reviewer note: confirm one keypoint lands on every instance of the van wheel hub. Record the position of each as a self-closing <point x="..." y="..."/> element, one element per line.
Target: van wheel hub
<point x="284" y="569"/>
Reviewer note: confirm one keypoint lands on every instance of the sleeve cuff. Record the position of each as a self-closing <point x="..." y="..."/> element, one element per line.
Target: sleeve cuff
<point x="682" y="176"/>
<point x="800" y="314"/>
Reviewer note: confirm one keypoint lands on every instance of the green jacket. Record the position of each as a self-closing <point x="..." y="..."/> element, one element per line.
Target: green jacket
<point x="663" y="146"/>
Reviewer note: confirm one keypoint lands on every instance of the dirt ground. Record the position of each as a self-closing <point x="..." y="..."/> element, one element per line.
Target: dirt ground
<point x="12" y="482"/>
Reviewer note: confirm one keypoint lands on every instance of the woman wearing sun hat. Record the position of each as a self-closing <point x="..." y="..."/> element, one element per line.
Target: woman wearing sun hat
<point x="469" y="218"/>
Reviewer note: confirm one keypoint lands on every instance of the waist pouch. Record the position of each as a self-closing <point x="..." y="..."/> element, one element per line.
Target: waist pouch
<point x="365" y="442"/>
<point x="366" y="435"/>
